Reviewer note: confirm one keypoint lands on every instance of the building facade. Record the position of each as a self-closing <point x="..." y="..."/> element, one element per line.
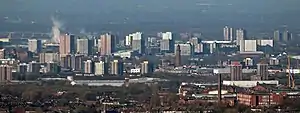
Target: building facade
<point x="146" y="67"/>
<point x="67" y="44"/>
<point x="236" y="71"/>
<point x="138" y="42"/>
<point x="116" y="67"/>
<point x="107" y="44"/>
<point x="262" y="70"/>
<point x="34" y="45"/>
<point x="101" y="68"/>
<point x="89" y="67"/>
<point x="5" y="73"/>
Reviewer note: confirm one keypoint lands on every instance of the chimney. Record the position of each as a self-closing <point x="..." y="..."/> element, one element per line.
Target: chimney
<point x="219" y="88"/>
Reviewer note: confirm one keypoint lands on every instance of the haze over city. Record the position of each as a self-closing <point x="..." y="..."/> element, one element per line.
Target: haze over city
<point x="149" y="56"/>
<point x="205" y="16"/>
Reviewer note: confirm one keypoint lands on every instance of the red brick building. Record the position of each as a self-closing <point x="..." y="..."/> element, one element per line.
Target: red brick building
<point x="259" y="99"/>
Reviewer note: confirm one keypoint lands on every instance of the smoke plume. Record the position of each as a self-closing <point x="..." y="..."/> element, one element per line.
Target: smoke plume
<point x="57" y="26"/>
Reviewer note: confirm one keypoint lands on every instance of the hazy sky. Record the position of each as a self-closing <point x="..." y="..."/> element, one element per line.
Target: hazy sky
<point x="191" y="15"/>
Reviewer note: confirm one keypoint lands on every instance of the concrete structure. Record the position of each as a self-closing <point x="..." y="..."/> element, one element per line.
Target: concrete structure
<point x="248" y="84"/>
<point x="22" y="68"/>
<point x="107" y="44"/>
<point x="265" y="43"/>
<point x="195" y="41"/>
<point x="34" y="67"/>
<point x="76" y="62"/>
<point x="228" y="33"/>
<point x="53" y="67"/>
<point x="213" y="47"/>
<point x="49" y="57"/>
<point x="66" y="61"/>
<point x="236" y="71"/>
<point x="186" y="49"/>
<point x="167" y="42"/>
<point x="227" y="71"/>
<point x="262" y="70"/>
<point x="138" y="42"/>
<point x="128" y="40"/>
<point x="101" y="68"/>
<point x="125" y="54"/>
<point x="146" y="67"/>
<point x="99" y="45"/>
<point x="67" y="44"/>
<point x="277" y="35"/>
<point x="287" y="36"/>
<point x="198" y="48"/>
<point x="34" y="45"/>
<point x="248" y="61"/>
<point x="116" y="67"/>
<point x="82" y="46"/>
<point x="217" y="42"/>
<point x="178" y="56"/>
<point x="240" y="36"/>
<point x="89" y="67"/>
<point x="5" y="73"/>
<point x="250" y="46"/>
<point x="2" y="53"/>
<point x="136" y="70"/>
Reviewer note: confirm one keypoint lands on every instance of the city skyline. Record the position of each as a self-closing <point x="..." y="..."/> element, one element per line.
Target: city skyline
<point x="193" y="16"/>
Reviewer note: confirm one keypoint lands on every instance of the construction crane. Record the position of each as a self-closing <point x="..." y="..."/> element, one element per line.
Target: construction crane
<point x="291" y="77"/>
<point x="289" y="70"/>
<point x="291" y="80"/>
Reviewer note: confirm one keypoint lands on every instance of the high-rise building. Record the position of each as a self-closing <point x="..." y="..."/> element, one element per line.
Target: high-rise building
<point x="99" y="45"/>
<point x="53" y="67"/>
<point x="76" y="62"/>
<point x="195" y="41"/>
<point x="287" y="36"/>
<point x="248" y="46"/>
<point x="34" y="67"/>
<point x="67" y="44"/>
<point x="178" y="56"/>
<point x="5" y="73"/>
<point x="89" y="67"/>
<point x="22" y="68"/>
<point x="107" y="44"/>
<point x="262" y="70"/>
<point x="240" y="36"/>
<point x="101" y="68"/>
<point x="185" y="49"/>
<point x="236" y="71"/>
<point x="128" y="40"/>
<point x="116" y="67"/>
<point x="1" y="44"/>
<point x="231" y="34"/>
<point x="82" y="46"/>
<point x="34" y="45"/>
<point x="167" y="42"/>
<point x="2" y="53"/>
<point x="49" y="57"/>
<point x="146" y="67"/>
<point x="196" y="44"/>
<point x="277" y="35"/>
<point x="228" y="33"/>
<point x="213" y="47"/>
<point x="138" y="42"/>
<point x="66" y="61"/>
<point x="91" y="45"/>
